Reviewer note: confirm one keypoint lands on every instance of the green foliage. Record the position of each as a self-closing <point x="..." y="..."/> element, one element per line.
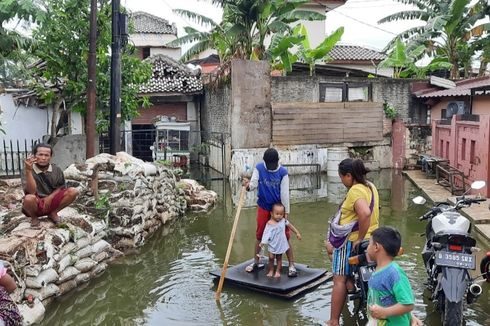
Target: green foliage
<point x="167" y="163"/>
<point x="245" y="26"/>
<point x="390" y="111"/>
<point x="61" y="41"/>
<point x="403" y="60"/>
<point x="103" y="203"/>
<point x="452" y="31"/>
<point x="202" y="148"/>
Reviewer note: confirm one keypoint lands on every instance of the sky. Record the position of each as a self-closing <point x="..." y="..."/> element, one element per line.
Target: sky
<point x="359" y="18"/>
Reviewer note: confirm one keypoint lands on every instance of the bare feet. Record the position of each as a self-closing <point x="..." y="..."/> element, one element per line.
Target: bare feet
<point x="55" y="218"/>
<point x="270" y="274"/>
<point x="332" y="323"/>
<point x="277" y="275"/>
<point x="35" y="222"/>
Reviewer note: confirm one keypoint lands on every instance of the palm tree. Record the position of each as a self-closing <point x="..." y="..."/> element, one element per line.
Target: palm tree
<point x="448" y="28"/>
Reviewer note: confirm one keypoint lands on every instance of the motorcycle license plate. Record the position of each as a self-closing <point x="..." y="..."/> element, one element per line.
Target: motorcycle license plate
<point x="455" y="259"/>
<point x="366" y="272"/>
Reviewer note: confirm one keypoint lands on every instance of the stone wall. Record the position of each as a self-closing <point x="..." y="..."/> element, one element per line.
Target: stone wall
<point x="216" y="109"/>
<point x="69" y="149"/>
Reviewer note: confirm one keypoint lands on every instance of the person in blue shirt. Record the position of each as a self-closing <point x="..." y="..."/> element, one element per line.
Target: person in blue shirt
<point x="272" y="181"/>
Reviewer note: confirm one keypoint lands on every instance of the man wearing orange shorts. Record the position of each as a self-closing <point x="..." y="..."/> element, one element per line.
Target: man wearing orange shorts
<point x="44" y="186"/>
<point x="272" y="182"/>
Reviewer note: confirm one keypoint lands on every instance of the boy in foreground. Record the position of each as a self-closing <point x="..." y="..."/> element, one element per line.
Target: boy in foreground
<point x="390" y="296"/>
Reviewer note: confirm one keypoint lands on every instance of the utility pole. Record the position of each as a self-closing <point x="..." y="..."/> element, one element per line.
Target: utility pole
<point x="115" y="102"/>
<point x="91" y="94"/>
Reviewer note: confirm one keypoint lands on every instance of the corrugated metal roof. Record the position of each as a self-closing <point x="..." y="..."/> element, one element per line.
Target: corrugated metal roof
<point x="463" y="88"/>
<point x="355" y="53"/>
<point x="170" y="76"/>
<point x="147" y="23"/>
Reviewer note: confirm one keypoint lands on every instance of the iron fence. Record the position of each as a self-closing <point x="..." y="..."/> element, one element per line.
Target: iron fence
<point x="12" y="156"/>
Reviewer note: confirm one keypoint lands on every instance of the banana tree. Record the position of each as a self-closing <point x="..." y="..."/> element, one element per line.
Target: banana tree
<point x="320" y="53"/>
<point x="403" y="61"/>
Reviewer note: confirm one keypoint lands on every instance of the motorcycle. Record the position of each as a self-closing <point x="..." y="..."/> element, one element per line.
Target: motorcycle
<point x="448" y="256"/>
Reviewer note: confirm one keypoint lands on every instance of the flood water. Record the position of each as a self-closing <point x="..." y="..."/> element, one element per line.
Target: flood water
<point x="166" y="282"/>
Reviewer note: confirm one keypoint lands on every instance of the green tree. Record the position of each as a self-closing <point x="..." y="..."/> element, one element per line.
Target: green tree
<point x="61" y="44"/>
<point x="12" y="43"/>
<point x="448" y="25"/>
<point x="403" y="61"/>
<point x="246" y="25"/>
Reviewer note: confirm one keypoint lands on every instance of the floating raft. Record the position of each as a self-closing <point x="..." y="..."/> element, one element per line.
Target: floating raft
<point x="285" y="287"/>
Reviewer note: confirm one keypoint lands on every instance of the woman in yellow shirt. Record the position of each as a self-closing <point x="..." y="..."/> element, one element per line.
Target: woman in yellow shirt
<point x="361" y="208"/>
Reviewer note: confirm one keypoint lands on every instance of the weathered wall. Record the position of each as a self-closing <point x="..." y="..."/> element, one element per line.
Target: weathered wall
<point x="396" y="92"/>
<point x="68" y="150"/>
<point x="216" y="108"/>
<point x="251" y="104"/>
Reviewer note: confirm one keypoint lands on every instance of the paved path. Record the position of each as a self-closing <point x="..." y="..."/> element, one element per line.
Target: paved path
<point x="478" y="214"/>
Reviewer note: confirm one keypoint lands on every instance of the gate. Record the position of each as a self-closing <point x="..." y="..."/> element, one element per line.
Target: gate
<point x="12" y="156"/>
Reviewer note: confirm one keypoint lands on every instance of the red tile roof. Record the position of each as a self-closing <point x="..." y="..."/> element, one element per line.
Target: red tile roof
<point x="463" y="88"/>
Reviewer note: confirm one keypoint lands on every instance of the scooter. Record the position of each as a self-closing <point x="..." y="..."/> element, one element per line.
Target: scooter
<point x="448" y="256"/>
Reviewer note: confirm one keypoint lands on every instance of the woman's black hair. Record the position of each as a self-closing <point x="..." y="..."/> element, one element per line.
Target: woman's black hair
<point x="356" y="168"/>
<point x="39" y="145"/>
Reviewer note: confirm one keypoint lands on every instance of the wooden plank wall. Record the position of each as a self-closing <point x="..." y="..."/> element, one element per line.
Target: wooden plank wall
<point x="326" y="123"/>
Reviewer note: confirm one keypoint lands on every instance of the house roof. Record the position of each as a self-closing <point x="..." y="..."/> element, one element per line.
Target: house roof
<point x="150" y="24"/>
<point x="170" y="76"/>
<point x="463" y="88"/>
<point x="343" y="52"/>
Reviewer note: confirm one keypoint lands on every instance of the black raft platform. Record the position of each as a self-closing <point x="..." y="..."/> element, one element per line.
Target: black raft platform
<point x="285" y="287"/>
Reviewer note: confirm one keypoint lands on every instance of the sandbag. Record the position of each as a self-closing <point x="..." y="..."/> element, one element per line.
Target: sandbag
<point x="68" y="260"/>
<point x="32" y="315"/>
<point x="32" y="270"/>
<point x="82" y="278"/>
<point x="84" y="252"/>
<point x="45" y="277"/>
<point x="69" y="273"/>
<point x="82" y="242"/>
<point x="67" y="286"/>
<point x="68" y="248"/>
<point x="85" y="264"/>
<point x="99" y="269"/>
<point x="100" y="246"/>
<point x="100" y="256"/>
<point x="43" y="293"/>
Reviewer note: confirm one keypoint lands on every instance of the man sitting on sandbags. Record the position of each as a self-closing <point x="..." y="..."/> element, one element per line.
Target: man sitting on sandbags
<point x="44" y="186"/>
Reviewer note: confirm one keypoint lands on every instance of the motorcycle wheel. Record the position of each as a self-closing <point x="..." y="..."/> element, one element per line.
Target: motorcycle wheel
<point x="453" y="313"/>
<point x="485" y="268"/>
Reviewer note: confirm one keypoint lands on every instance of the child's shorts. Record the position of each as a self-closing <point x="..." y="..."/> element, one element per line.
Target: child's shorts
<point x="340" y="260"/>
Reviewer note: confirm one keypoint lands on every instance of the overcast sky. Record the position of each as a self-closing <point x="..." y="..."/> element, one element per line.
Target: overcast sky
<point x="359" y="17"/>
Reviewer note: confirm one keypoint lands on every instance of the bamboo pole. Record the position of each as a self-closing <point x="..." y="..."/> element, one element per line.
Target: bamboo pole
<point x="230" y="243"/>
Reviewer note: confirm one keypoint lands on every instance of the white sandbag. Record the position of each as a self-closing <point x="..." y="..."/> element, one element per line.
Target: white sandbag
<point x="100" y="246"/>
<point x="100" y="256"/>
<point x="82" y="278"/>
<point x="32" y="270"/>
<point x="99" y="269"/>
<point x="32" y="315"/>
<point x="43" y="293"/>
<point x="67" y="286"/>
<point x="67" y="249"/>
<point x="85" y="264"/>
<point x="84" y="252"/>
<point x="82" y="242"/>
<point x="99" y="236"/>
<point x="98" y="226"/>
<point x="68" y="260"/>
<point x="45" y="277"/>
<point x="69" y="273"/>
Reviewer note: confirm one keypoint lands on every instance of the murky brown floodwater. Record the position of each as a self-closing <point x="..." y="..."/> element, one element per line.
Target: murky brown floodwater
<point x="167" y="281"/>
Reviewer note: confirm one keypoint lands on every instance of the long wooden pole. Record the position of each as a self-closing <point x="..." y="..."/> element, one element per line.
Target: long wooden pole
<point x="230" y="243"/>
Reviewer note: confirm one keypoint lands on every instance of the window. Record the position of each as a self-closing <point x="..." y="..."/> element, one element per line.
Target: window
<point x="463" y="150"/>
<point x="345" y="92"/>
<point x="472" y="152"/>
<point x="441" y="148"/>
<point x="145" y="53"/>
<point x="447" y="150"/>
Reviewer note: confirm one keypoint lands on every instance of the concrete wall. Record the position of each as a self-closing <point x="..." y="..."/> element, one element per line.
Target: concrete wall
<point x="251" y="104"/>
<point x="481" y="105"/>
<point x="27" y="123"/>
<point x="68" y="150"/>
<point x="396" y="92"/>
<point x="387" y="72"/>
<point x="466" y="145"/>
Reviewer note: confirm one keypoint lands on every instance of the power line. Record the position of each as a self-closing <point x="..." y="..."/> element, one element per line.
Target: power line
<point x="359" y="21"/>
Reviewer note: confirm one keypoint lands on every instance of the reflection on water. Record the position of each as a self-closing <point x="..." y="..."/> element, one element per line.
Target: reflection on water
<point x="167" y="281"/>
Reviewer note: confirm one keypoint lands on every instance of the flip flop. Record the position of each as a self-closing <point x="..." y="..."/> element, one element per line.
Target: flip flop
<point x="253" y="267"/>
<point x="292" y="272"/>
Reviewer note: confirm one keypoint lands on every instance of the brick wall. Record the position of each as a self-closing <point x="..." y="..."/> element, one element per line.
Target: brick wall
<point x="216" y="108"/>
